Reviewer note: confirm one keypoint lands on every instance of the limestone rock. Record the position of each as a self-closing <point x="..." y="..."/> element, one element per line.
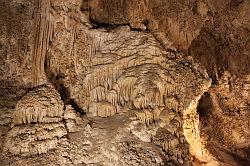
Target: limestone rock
<point x="32" y="139"/>
<point x="43" y="104"/>
<point x="130" y="90"/>
<point x="72" y="119"/>
<point x="37" y="125"/>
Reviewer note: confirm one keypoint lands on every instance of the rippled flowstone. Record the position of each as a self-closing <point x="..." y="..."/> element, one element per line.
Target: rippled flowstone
<point x="128" y="71"/>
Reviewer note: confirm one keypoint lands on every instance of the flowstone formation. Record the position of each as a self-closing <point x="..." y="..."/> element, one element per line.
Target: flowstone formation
<point x="96" y="86"/>
<point x="123" y="68"/>
<point x="36" y="123"/>
<point x="121" y="71"/>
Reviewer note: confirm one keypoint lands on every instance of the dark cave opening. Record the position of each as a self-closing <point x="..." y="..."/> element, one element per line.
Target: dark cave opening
<point x="205" y="106"/>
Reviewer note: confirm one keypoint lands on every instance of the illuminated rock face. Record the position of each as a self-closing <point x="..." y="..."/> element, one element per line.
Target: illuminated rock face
<point x="109" y="74"/>
<point x="129" y="68"/>
<point x="123" y="71"/>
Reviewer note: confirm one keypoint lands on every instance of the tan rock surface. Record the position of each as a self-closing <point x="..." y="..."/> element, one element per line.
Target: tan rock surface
<point x="103" y="82"/>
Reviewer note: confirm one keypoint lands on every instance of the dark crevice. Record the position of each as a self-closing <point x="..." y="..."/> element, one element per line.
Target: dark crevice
<point x="210" y="126"/>
<point x="85" y="6"/>
<point x="205" y="106"/>
<point x="108" y="27"/>
<point x="236" y="3"/>
<point x="204" y="109"/>
<point x="57" y="81"/>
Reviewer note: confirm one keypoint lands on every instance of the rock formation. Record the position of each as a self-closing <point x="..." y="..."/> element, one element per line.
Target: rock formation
<point x="118" y="82"/>
<point x="36" y="123"/>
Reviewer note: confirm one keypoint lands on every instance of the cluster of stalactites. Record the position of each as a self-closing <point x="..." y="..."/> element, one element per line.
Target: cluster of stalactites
<point x="107" y="75"/>
<point x="104" y="75"/>
<point x="36" y="115"/>
<point x="148" y="116"/>
<point x="102" y="109"/>
<point x="145" y="82"/>
<point x="146" y="86"/>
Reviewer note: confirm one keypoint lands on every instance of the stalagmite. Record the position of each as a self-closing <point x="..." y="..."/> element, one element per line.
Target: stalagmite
<point x="42" y="105"/>
<point x="36" y="125"/>
<point x="72" y="119"/>
<point x="27" y="140"/>
<point x="99" y="82"/>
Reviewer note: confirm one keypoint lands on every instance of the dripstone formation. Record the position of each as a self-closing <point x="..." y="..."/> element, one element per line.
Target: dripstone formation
<point x="93" y="84"/>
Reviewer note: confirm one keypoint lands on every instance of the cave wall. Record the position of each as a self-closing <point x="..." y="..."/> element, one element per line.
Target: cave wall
<point x="215" y="33"/>
<point x="82" y="48"/>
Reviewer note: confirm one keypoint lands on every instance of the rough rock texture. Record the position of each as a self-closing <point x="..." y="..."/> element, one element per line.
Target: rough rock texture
<point x="103" y="82"/>
<point x="40" y="105"/>
<point x="216" y="33"/>
<point x="72" y="119"/>
<point x="227" y="110"/>
<point x="36" y="123"/>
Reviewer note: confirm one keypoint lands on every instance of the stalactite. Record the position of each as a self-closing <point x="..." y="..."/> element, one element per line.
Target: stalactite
<point x="161" y="91"/>
<point x="148" y="116"/>
<point x="167" y="115"/>
<point x="170" y="89"/>
<point x="43" y="35"/>
<point x="98" y="94"/>
<point x="157" y="112"/>
<point x="112" y="97"/>
<point x="104" y="75"/>
<point x="144" y="85"/>
<point x="146" y="95"/>
<point x="171" y="102"/>
<point x="145" y="116"/>
<point x="125" y="88"/>
<point x="102" y="109"/>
